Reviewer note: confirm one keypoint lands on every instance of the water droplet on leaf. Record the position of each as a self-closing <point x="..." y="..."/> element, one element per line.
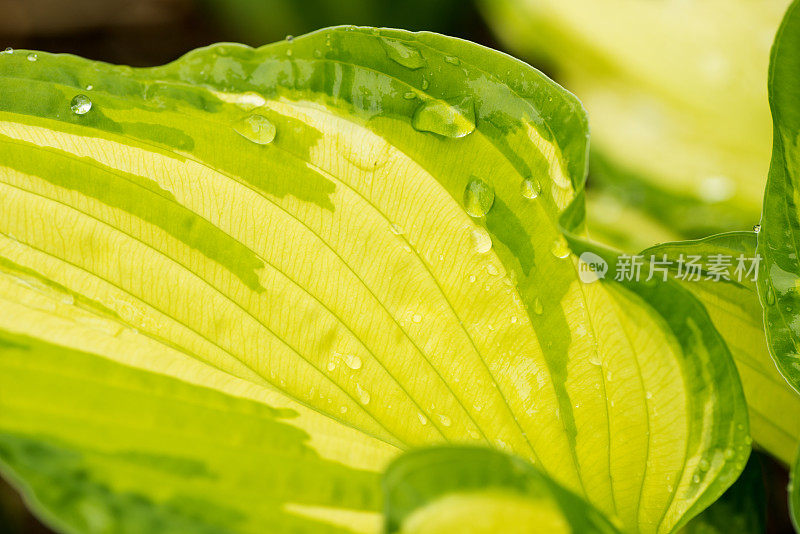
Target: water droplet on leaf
<point x="256" y="128"/>
<point x="442" y="118"/>
<point x="452" y="60"/>
<point x="403" y="54"/>
<point x="478" y="197"/>
<point x="530" y="188"/>
<point x="560" y="248"/>
<point x="481" y="240"/>
<point x="757" y="228"/>
<point x="445" y="420"/>
<point x="80" y="105"/>
<point x="32" y="57"/>
<point x="537" y="306"/>
<point x="363" y="395"/>
<point x="352" y="361"/>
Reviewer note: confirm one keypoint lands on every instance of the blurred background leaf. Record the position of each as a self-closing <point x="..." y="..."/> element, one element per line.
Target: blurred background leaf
<point x="677" y="98"/>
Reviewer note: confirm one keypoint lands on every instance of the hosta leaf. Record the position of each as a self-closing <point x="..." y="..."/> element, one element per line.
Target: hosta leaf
<point x="360" y="227"/>
<point x="732" y="302"/>
<point x="779" y="240"/>
<point x="480" y="491"/>
<point x="742" y="509"/>
<point x="677" y="104"/>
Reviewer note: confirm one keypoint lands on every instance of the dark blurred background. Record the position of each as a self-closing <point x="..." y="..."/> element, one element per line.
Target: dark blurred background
<point x="152" y="32"/>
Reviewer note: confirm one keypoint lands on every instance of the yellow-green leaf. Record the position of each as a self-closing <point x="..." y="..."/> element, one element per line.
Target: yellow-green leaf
<point x="778" y="242"/>
<point x="267" y="227"/>
<point x="732" y="302"/>
<point x="480" y="491"/>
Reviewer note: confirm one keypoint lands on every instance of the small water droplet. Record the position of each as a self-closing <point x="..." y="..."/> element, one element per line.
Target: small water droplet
<point x="32" y="57"/>
<point x="343" y="409"/>
<point x="80" y="105"/>
<point x="410" y="95"/>
<point x="289" y="52"/>
<point x="530" y="188"/>
<point x="445" y="420"/>
<point x="363" y="395"/>
<point x="89" y="87"/>
<point x="478" y="197"/>
<point x="609" y="376"/>
<point x="256" y="128"/>
<point x="425" y="83"/>
<point x="332" y="364"/>
<point x="403" y="54"/>
<point x="473" y="434"/>
<point x="452" y="60"/>
<point x="397" y="229"/>
<point x="728" y="454"/>
<point x="648" y="395"/>
<point x="422" y="419"/>
<point x="290" y="38"/>
<point x="704" y="465"/>
<point x="669" y="488"/>
<point x="594" y="358"/>
<point x="417" y="318"/>
<point x="481" y="240"/>
<point x="696" y="479"/>
<point x="560" y="248"/>
<point x="447" y="120"/>
<point x="477" y="407"/>
<point x="757" y="228"/>
<point x="352" y="361"/>
<point x="491" y="269"/>
<point x="538" y="309"/>
<point x="8" y="50"/>
<point x="770" y="296"/>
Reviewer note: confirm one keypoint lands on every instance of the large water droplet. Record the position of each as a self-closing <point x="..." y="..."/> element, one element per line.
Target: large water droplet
<point x="530" y="188"/>
<point x="406" y="55"/>
<point x="352" y="361"/>
<point x="481" y="240"/>
<point x="448" y="120"/>
<point x="560" y="248"/>
<point x="80" y="105"/>
<point x="478" y="197"/>
<point x="363" y="394"/>
<point x="256" y="128"/>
